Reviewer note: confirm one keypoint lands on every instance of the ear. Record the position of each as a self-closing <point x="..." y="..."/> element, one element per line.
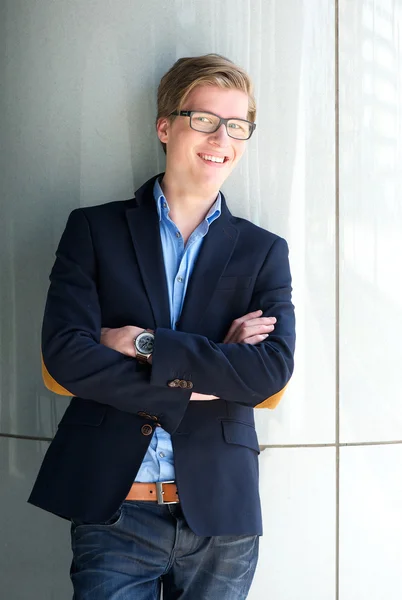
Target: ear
<point x="162" y="129"/>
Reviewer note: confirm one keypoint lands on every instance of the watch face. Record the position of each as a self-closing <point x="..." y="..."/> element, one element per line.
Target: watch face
<point x="145" y="343"/>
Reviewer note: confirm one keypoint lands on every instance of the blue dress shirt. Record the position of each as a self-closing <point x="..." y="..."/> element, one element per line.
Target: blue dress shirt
<point x="179" y="259"/>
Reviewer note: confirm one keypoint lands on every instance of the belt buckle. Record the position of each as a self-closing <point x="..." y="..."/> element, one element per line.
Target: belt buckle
<point x="160" y="492"/>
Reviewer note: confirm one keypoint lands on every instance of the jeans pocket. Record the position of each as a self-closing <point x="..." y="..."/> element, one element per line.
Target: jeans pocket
<point x="115" y="519"/>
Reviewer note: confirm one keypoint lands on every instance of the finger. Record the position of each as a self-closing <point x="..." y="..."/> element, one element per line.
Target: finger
<point x="243" y="321"/>
<point x="238" y="322"/>
<point x="256" y="339"/>
<point x="260" y="321"/>
<point x="255" y="315"/>
<point x="247" y="332"/>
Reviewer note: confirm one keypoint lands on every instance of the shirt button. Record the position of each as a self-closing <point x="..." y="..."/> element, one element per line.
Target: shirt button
<point x="178" y="234"/>
<point x="146" y="430"/>
<point x="161" y="455"/>
<point x="180" y="279"/>
<point x="164" y="205"/>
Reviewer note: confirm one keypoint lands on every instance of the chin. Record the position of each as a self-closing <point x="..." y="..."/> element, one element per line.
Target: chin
<point x="212" y="183"/>
<point x="214" y="174"/>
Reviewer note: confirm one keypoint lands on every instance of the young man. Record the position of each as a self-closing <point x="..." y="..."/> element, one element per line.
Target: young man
<point x="168" y="320"/>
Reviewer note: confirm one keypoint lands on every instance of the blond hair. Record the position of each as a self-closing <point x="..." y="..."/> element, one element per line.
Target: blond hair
<point x="209" y="69"/>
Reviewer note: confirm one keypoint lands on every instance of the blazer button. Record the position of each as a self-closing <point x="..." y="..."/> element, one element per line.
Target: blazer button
<point x="183" y="384"/>
<point x="146" y="430"/>
<point x="147" y="416"/>
<point x="174" y="383"/>
<point x="190" y="385"/>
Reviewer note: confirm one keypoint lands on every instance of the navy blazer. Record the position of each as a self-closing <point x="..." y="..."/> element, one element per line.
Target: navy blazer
<point x="109" y="272"/>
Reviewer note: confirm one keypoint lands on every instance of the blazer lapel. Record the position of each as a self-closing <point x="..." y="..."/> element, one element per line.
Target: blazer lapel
<point x="215" y="253"/>
<point x="143" y="222"/>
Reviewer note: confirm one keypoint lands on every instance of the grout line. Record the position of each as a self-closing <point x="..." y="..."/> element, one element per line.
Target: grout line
<point x="386" y="443"/>
<point x="32" y="438"/>
<point x="264" y="446"/>
<point x="332" y="445"/>
<point x="337" y="306"/>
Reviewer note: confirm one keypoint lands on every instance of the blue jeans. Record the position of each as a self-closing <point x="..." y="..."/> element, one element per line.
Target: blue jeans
<point x="147" y="547"/>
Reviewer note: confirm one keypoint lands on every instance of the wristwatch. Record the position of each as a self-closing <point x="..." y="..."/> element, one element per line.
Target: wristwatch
<point x="144" y="345"/>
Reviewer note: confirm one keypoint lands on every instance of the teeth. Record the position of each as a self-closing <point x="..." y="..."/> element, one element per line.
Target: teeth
<point x="212" y="158"/>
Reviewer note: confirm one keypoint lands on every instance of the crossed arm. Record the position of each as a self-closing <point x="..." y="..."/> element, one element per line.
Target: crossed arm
<point x="76" y="363"/>
<point x="251" y="328"/>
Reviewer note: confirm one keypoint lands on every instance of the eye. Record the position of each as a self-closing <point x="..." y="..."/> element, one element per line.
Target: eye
<point x="203" y="119"/>
<point x="238" y="125"/>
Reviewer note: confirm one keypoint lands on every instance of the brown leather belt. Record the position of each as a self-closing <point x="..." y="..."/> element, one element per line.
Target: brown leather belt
<point x="162" y="492"/>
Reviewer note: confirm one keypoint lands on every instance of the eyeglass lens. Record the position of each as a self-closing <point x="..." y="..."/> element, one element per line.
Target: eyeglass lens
<point x="209" y="123"/>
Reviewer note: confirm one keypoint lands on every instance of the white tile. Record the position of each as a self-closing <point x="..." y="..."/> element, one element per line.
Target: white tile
<point x="287" y="186"/>
<point x="371" y="220"/>
<point x="35" y="545"/>
<point x="370" y="523"/>
<point x="297" y="550"/>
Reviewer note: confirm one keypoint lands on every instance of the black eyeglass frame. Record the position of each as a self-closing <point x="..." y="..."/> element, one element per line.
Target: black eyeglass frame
<point x="189" y="113"/>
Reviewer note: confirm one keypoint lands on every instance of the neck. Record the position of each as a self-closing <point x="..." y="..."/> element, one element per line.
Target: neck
<point x="187" y="207"/>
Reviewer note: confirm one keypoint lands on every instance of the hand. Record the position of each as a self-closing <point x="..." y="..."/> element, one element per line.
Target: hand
<point x="121" y="339"/>
<point x="250" y="329"/>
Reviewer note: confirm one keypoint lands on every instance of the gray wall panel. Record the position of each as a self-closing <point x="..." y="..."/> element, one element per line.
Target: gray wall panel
<point x="80" y="106"/>
<point x="34" y="545"/>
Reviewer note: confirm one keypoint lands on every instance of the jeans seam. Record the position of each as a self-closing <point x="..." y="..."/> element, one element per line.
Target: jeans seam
<point x="247" y="582"/>
<point x="172" y="556"/>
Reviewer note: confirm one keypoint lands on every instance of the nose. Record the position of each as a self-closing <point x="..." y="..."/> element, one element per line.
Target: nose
<point x="220" y="136"/>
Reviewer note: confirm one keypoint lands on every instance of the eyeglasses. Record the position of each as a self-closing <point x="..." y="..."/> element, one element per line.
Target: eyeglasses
<point x="207" y="122"/>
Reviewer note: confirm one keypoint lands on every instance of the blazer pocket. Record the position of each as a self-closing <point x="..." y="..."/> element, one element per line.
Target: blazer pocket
<point x="83" y="412"/>
<point x="233" y="283"/>
<point x="241" y="434"/>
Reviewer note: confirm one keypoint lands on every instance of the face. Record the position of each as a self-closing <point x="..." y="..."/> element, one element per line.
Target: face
<point x="186" y="149"/>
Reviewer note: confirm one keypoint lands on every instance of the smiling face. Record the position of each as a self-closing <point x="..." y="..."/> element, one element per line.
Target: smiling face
<point x="189" y="152"/>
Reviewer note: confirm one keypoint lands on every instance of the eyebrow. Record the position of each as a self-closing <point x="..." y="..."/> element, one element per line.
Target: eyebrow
<point x="216" y="114"/>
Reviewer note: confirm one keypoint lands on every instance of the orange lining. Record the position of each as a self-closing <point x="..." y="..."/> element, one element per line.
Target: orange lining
<point x="52" y="384"/>
<point x="273" y="401"/>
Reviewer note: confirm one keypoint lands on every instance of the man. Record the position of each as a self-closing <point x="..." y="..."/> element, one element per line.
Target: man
<point x="168" y="320"/>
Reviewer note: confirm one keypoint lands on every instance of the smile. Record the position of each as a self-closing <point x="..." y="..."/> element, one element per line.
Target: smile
<point x="213" y="160"/>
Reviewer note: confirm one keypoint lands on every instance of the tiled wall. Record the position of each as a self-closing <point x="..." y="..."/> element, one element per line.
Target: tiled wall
<point x="324" y="170"/>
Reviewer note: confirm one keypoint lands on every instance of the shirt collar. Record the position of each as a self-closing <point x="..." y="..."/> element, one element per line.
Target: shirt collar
<point x="163" y="206"/>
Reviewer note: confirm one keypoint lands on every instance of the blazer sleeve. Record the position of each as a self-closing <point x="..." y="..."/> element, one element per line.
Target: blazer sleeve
<point x="243" y="373"/>
<point x="73" y="358"/>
